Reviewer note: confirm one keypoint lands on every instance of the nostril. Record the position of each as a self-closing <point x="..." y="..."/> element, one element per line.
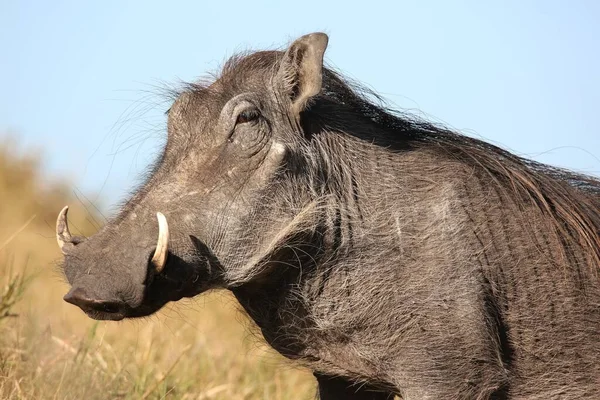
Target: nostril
<point x="108" y="307"/>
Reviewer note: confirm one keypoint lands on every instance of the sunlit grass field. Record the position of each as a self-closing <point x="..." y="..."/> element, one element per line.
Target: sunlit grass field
<point x="198" y="349"/>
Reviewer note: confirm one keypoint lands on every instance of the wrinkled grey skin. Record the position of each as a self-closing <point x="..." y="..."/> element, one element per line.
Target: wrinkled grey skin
<point x="390" y="256"/>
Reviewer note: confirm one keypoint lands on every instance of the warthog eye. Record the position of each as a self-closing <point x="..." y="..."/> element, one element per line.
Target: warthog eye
<point x="247" y="116"/>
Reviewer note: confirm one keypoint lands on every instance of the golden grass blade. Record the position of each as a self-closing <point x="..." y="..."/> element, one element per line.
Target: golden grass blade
<point x="153" y="388"/>
<point x="16" y="233"/>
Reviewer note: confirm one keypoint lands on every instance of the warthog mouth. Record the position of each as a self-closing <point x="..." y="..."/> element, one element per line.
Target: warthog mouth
<point x="104" y="316"/>
<point x="107" y="310"/>
<point x="116" y="316"/>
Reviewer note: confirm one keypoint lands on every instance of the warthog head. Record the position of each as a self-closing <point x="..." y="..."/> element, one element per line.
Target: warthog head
<point x="229" y="190"/>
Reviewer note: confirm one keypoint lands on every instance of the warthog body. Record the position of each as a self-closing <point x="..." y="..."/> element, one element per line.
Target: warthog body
<point x="388" y="255"/>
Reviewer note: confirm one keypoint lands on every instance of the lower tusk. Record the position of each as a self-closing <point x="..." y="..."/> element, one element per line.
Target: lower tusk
<point x="162" y="245"/>
<point x="63" y="236"/>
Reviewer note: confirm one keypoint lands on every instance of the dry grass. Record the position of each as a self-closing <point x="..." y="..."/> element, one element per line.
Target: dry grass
<point x="200" y="349"/>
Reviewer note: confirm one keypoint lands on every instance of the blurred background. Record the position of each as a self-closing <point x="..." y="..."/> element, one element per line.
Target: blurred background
<point x="82" y="100"/>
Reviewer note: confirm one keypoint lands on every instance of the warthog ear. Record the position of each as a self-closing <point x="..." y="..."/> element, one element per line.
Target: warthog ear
<point x="301" y="71"/>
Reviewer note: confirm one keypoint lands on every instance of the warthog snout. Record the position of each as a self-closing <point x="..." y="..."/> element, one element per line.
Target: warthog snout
<point x="102" y="288"/>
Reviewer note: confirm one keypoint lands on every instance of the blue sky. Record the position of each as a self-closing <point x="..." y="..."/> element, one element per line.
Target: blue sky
<point x="79" y="79"/>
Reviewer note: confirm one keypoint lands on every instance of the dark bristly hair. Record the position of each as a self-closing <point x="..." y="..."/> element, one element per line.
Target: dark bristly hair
<point x="570" y="200"/>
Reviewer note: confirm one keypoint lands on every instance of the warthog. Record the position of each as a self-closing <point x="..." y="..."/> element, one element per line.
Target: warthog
<point x="388" y="255"/>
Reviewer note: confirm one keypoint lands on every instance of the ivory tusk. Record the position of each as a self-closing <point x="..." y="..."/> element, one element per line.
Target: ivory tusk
<point x="162" y="245"/>
<point x="63" y="236"/>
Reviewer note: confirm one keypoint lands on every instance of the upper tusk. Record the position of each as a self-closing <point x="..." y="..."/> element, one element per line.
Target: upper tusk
<point x="63" y="236"/>
<point x="162" y="245"/>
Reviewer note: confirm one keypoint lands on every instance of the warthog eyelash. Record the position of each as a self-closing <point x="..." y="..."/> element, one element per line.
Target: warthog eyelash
<point x="246" y="116"/>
